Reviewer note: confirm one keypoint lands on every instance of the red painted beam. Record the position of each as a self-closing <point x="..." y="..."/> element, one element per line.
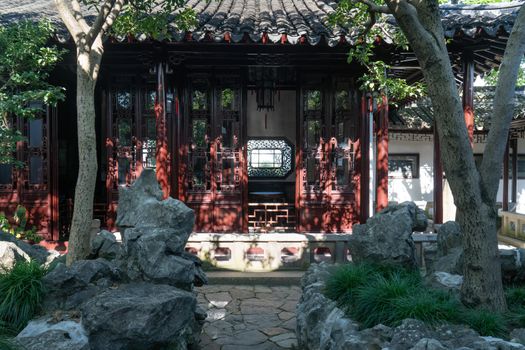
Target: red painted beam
<point x="514" y="188"/>
<point x="365" y="160"/>
<point x="438" y="180"/>
<point x="468" y="95"/>
<point x="162" y="153"/>
<point x="382" y="158"/>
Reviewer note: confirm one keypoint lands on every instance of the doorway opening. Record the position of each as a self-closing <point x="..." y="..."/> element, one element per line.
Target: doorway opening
<point x="271" y="145"/>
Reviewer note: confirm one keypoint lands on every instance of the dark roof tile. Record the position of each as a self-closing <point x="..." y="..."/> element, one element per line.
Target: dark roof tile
<point x="295" y="18"/>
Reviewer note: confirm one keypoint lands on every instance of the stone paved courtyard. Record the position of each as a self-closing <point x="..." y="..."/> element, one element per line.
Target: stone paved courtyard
<point x="249" y="317"/>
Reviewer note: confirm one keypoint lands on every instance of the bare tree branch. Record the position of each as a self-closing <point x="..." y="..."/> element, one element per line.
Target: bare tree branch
<point x="113" y="15"/>
<point x="503" y="107"/>
<point x="77" y="13"/>
<point x="103" y="14"/>
<point x="73" y="26"/>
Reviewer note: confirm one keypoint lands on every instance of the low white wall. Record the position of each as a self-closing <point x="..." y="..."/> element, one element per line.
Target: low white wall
<point x="421" y="190"/>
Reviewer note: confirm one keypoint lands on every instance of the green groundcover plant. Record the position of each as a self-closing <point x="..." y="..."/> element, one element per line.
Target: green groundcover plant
<point x="374" y="294"/>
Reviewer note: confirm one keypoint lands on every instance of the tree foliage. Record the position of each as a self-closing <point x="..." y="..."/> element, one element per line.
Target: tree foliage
<point x="25" y="64"/>
<point x="474" y="189"/>
<point x="132" y="18"/>
<point x="372" y="28"/>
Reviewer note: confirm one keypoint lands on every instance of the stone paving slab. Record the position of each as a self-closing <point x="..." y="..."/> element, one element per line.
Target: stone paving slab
<point x="253" y="317"/>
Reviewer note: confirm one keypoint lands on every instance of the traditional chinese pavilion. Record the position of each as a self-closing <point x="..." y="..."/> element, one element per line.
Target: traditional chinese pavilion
<point x="254" y="119"/>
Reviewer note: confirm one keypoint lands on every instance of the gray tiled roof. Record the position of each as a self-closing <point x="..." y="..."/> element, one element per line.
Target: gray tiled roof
<point x="237" y="19"/>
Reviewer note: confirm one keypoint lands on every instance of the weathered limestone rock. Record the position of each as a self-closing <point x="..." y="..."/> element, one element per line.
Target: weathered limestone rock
<point x="428" y="344"/>
<point x="35" y="252"/>
<point x="450" y="263"/>
<point x="445" y="280"/>
<point x="10" y="254"/>
<point x="518" y="335"/>
<point x="127" y="292"/>
<point x="105" y="245"/>
<point x="512" y="265"/>
<point x="448" y="237"/>
<point x="42" y="334"/>
<point x="408" y="334"/>
<point x="141" y="205"/>
<point x="139" y="316"/>
<point x="155" y="254"/>
<point x="322" y="325"/>
<point x="387" y="236"/>
<point x="67" y="288"/>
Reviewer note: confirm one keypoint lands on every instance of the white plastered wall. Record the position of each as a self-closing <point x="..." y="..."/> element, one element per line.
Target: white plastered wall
<point x="421" y="190"/>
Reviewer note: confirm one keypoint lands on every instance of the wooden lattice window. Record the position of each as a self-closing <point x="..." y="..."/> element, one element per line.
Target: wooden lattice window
<point x="270" y="158"/>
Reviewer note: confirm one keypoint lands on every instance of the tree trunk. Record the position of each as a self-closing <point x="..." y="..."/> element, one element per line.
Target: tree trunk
<point x="79" y="236"/>
<point x="482" y="285"/>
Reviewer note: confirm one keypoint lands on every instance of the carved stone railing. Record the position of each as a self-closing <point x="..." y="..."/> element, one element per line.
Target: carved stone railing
<point x="512" y="225"/>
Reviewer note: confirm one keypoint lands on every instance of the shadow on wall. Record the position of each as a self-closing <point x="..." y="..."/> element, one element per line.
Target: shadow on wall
<point x="419" y="190"/>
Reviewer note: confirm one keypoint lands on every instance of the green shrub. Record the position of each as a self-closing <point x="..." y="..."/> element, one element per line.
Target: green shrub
<point x="487" y="323"/>
<point x="22" y="291"/>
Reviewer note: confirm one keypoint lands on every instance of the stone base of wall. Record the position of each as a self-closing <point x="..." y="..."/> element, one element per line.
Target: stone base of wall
<point x="269" y="251"/>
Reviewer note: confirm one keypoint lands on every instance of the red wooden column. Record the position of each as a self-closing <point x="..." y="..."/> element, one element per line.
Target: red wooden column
<point x="468" y="95"/>
<point x="365" y="160"/>
<point x="382" y="157"/>
<point x="505" y="199"/>
<point x="162" y="153"/>
<point x="514" y="187"/>
<point x="438" y="180"/>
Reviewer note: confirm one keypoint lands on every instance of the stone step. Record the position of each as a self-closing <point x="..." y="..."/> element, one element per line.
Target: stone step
<point x="275" y="278"/>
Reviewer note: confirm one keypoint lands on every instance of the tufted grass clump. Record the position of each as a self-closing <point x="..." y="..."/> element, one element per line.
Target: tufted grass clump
<point x="375" y="301"/>
<point x="486" y="323"/>
<point x="372" y="294"/>
<point x="430" y="306"/>
<point x="22" y="292"/>
<point x="346" y="279"/>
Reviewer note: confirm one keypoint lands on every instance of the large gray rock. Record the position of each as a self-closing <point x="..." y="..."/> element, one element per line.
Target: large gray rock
<point x="69" y="287"/>
<point x="446" y="281"/>
<point x="512" y="265"/>
<point x="154" y="254"/>
<point x="451" y="263"/>
<point x="322" y="325"/>
<point x="140" y="316"/>
<point x="35" y="252"/>
<point x="428" y="344"/>
<point x="448" y="237"/>
<point x="10" y="254"/>
<point x="408" y="334"/>
<point x="518" y="335"/>
<point x="105" y="245"/>
<point x="141" y="205"/>
<point x="42" y="334"/>
<point x="387" y="236"/>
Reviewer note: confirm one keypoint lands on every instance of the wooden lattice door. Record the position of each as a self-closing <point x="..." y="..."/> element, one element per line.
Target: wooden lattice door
<point x="130" y="137"/>
<point x="325" y="181"/>
<point x="214" y="170"/>
<point x="34" y="184"/>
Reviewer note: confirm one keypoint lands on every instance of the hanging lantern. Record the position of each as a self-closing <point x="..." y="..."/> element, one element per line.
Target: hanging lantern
<point x="265" y="88"/>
